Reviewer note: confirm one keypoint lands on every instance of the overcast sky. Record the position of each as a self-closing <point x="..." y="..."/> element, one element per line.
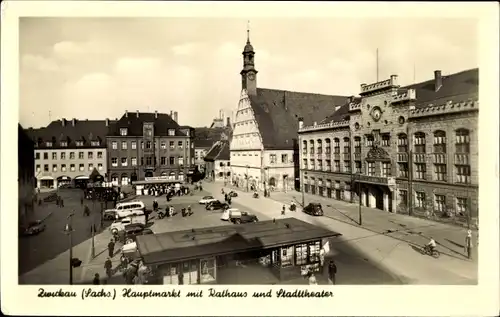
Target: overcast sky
<point x="96" y="68"/>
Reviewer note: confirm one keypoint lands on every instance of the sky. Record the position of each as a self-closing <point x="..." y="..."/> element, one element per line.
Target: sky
<point x="96" y="68"/>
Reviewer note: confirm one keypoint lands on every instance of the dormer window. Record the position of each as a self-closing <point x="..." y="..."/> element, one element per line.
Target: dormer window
<point x="171" y="132"/>
<point x="48" y="144"/>
<point x="79" y="143"/>
<point x="123" y="131"/>
<point x="95" y="143"/>
<point x="64" y="143"/>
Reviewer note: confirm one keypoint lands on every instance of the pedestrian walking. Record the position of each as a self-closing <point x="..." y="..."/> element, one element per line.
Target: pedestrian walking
<point x="96" y="280"/>
<point x="332" y="271"/>
<point x="81" y="201"/>
<point x="468" y="243"/>
<point x="322" y="257"/>
<point x="123" y="262"/>
<point x="108" y="266"/>
<point x="111" y="248"/>
<point x="62" y="203"/>
<point x="229" y="200"/>
<point x="283" y="210"/>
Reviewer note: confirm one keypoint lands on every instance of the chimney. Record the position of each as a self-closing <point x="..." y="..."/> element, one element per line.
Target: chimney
<point x="156" y="114"/>
<point x="301" y="123"/>
<point x="63" y="121"/>
<point x="228" y="121"/>
<point x="175" y="116"/>
<point x="394" y="80"/>
<point x="126" y="114"/>
<point x="73" y="121"/>
<point x="137" y="111"/>
<point x="171" y="114"/>
<point x="438" y="80"/>
<point x="107" y="122"/>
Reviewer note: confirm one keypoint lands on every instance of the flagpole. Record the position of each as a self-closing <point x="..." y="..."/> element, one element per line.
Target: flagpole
<point x="377" y="64"/>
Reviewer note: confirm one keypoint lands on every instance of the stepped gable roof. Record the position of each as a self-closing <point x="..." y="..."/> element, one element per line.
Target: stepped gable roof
<point x="277" y="113"/>
<point x="219" y="151"/>
<point x="134" y="121"/>
<point x="456" y="87"/>
<point x="83" y="130"/>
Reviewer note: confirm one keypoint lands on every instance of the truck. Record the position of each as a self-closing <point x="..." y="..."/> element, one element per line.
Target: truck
<point x="120" y="224"/>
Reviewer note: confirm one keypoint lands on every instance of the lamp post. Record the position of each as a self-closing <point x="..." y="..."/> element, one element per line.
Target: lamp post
<point x="359" y="207"/>
<point x="303" y="185"/>
<point x="68" y="230"/>
<point x="247" y="176"/>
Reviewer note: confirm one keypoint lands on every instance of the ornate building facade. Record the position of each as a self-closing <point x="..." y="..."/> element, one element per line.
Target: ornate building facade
<point x="411" y="150"/>
<point x="264" y="148"/>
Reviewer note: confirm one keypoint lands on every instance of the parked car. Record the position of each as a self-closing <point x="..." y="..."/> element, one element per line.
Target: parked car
<point x="313" y="209"/>
<point x="233" y="194"/>
<point x="216" y="205"/>
<point x="33" y="228"/>
<point x="134" y="230"/>
<point x="236" y="216"/>
<point x="206" y="199"/>
<point x="121" y="224"/>
<point x="109" y="214"/>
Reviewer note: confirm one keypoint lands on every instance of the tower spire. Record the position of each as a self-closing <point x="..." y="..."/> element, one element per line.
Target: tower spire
<point x="248" y="32"/>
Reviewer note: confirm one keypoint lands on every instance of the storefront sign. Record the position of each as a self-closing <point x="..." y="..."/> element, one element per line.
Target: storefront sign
<point x="156" y="178"/>
<point x="371" y="179"/>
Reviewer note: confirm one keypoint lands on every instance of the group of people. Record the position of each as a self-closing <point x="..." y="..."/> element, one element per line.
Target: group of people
<point x="332" y="273"/>
<point x="163" y="189"/>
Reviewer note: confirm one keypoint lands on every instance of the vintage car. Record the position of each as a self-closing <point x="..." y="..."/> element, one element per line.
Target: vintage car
<point x="233" y="194"/>
<point x="216" y="205"/>
<point x="134" y="230"/>
<point x="236" y="216"/>
<point x="206" y="199"/>
<point x="32" y="228"/>
<point x="313" y="209"/>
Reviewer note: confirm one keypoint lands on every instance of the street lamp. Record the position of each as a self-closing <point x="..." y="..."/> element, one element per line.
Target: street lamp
<point x="359" y="190"/>
<point x="303" y="185"/>
<point x="247" y="176"/>
<point x="68" y="230"/>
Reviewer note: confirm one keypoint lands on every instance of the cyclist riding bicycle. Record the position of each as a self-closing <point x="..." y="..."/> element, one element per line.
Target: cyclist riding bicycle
<point x="431" y="245"/>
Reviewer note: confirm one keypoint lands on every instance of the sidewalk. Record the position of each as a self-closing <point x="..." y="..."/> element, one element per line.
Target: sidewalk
<point x="415" y="231"/>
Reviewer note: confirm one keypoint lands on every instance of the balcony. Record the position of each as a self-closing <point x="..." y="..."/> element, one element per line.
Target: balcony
<point x="402" y="157"/>
<point x="419" y="158"/>
<point x="439" y="158"/>
<point x="462" y="159"/>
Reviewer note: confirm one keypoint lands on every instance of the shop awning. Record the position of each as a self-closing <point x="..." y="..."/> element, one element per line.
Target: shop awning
<point x="63" y="178"/>
<point x="82" y="177"/>
<point x="229" y="239"/>
<point x="46" y="178"/>
<point x="156" y="181"/>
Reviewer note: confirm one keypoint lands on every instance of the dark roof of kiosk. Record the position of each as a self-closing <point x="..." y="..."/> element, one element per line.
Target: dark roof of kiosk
<point x="196" y="243"/>
<point x="278" y="111"/>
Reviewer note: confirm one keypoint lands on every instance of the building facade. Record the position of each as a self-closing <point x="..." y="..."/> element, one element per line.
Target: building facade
<point x="205" y="138"/>
<point x="68" y="151"/>
<point x="411" y="150"/>
<point x="144" y="145"/>
<point x="218" y="165"/>
<point x="264" y="147"/>
<point x="25" y="174"/>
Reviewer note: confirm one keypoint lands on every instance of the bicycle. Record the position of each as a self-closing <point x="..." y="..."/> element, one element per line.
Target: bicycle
<point x="427" y="251"/>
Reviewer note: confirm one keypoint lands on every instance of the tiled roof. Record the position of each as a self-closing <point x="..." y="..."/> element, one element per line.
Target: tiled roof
<point x="277" y="113"/>
<point x="455" y="87"/>
<point x="228" y="239"/>
<point x="70" y="131"/>
<point x="206" y="137"/>
<point x="134" y="121"/>
<point x="219" y="151"/>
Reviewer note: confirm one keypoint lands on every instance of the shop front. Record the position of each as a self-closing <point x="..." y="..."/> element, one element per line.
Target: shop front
<point x="46" y="182"/>
<point x="81" y="181"/>
<point x="266" y="252"/>
<point x="63" y="181"/>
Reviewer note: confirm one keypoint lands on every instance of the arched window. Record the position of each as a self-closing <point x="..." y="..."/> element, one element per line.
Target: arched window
<point x="319" y="146"/>
<point x="347" y="145"/>
<point x="311" y="147"/>
<point x="402" y="143"/>
<point x="336" y="145"/>
<point x="328" y="149"/>
<point x="462" y="142"/>
<point x="369" y="140"/>
<point x="357" y="144"/>
<point x="419" y="142"/>
<point x="439" y="142"/>
<point x="304" y="147"/>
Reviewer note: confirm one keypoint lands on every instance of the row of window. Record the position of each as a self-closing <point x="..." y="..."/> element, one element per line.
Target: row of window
<point x="273" y="158"/>
<point x="65" y="143"/>
<point x="148" y="132"/>
<point x="150" y="145"/>
<point x="462" y="172"/>
<point x="462" y="143"/>
<point x="81" y="155"/>
<point x="246" y="135"/>
<point x="238" y="124"/>
<point x="72" y="167"/>
<point x="150" y="161"/>
<point x="461" y="203"/>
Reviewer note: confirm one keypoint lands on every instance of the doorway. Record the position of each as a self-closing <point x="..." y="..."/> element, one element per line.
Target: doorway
<point x="379" y="197"/>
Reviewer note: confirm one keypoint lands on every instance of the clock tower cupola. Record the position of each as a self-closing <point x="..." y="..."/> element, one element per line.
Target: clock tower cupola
<point x="249" y="73"/>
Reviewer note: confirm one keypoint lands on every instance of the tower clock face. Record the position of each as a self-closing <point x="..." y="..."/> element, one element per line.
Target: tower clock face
<point x="251" y="76"/>
<point x="376" y="114"/>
